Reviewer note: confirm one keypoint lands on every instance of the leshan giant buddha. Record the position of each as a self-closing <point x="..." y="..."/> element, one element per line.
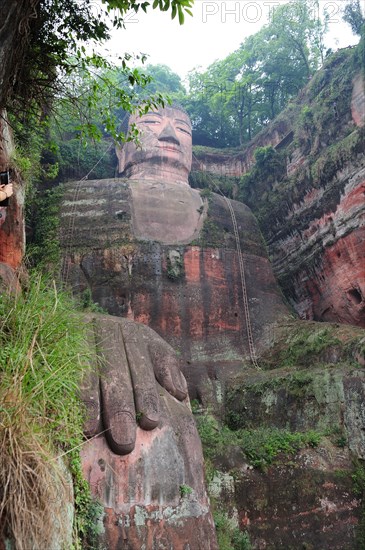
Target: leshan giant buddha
<point x="152" y="249"/>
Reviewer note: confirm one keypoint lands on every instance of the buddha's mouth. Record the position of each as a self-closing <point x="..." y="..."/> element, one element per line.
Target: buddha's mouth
<point x="170" y="147"/>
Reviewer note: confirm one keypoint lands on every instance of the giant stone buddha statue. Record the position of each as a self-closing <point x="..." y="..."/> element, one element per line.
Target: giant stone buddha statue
<point x="150" y="248"/>
<point x="157" y="254"/>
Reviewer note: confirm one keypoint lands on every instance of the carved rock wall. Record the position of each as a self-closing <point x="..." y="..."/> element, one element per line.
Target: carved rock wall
<point x="237" y="161"/>
<point x="321" y="263"/>
<point x="191" y="294"/>
<point x="313" y="217"/>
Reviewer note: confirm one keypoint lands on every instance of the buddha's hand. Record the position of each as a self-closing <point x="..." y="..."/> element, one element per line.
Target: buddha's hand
<point x="120" y="390"/>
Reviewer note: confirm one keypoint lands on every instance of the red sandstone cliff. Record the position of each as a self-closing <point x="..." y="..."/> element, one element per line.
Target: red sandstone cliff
<point x="312" y="216"/>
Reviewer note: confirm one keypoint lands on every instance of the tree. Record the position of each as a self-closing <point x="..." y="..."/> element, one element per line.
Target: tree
<point x="43" y="56"/>
<point x="42" y="40"/>
<point x="164" y="80"/>
<point x="204" y="120"/>
<point x="235" y="97"/>
<point x="352" y="14"/>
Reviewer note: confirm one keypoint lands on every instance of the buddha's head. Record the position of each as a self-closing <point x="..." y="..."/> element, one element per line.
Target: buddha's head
<point x="166" y="147"/>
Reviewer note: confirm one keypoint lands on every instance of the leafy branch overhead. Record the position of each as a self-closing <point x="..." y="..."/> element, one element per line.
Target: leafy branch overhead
<point x="53" y="39"/>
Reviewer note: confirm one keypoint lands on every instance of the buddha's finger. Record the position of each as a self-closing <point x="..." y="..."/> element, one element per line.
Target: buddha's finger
<point x="117" y="402"/>
<point x="89" y="388"/>
<point x="146" y="396"/>
<point x="166" y="368"/>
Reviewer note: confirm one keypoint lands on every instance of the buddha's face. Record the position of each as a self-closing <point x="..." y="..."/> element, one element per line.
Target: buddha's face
<point x="166" y="146"/>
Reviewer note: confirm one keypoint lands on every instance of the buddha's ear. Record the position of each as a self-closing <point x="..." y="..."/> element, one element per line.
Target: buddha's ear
<point x="120" y="152"/>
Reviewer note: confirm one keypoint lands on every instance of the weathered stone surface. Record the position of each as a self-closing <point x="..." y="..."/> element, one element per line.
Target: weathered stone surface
<point x="316" y="399"/>
<point x="154" y="496"/>
<point x="143" y="493"/>
<point x="358" y="100"/>
<point x="8" y="279"/>
<point x="191" y="294"/>
<point x="238" y="161"/>
<point x="305" y="498"/>
<point x="313" y="218"/>
<point x="166" y="213"/>
<point x="12" y="235"/>
<point x="330" y="284"/>
<point x="305" y="501"/>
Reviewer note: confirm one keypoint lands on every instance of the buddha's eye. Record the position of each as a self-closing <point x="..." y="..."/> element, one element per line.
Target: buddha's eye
<point x="184" y="131"/>
<point x="150" y="121"/>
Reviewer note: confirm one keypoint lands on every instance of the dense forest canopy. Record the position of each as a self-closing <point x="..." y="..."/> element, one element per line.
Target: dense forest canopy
<point x="76" y="93"/>
<point x="235" y="97"/>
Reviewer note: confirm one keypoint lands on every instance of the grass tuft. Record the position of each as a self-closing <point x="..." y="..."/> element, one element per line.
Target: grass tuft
<point x="43" y="354"/>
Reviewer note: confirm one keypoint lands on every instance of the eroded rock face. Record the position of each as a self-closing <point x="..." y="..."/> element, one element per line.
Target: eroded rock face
<point x="306" y="497"/>
<point x="313" y="216"/>
<point x="307" y="501"/>
<point x="330" y="284"/>
<point x="181" y="280"/>
<point x="358" y="100"/>
<point x="12" y="231"/>
<point x="8" y="279"/>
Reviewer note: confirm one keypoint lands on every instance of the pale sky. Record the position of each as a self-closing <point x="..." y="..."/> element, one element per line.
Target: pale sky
<point x="216" y="29"/>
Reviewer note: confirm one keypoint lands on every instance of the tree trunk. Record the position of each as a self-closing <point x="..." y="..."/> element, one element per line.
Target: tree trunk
<point x="15" y="19"/>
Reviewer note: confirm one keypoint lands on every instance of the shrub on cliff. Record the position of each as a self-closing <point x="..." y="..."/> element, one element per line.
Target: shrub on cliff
<point x="269" y="167"/>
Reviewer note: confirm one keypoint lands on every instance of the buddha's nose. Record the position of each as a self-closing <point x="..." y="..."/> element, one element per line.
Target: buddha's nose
<point x="168" y="134"/>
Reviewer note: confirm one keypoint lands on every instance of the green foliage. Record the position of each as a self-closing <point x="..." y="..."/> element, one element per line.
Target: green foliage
<point x="303" y="345"/>
<point x="95" y="99"/>
<point x="338" y="436"/>
<point x="236" y="97"/>
<point x="270" y="167"/>
<point x="264" y="157"/>
<point x="42" y="351"/>
<point x="185" y="490"/>
<point x="358" y="479"/>
<point x="229" y="537"/>
<point x="206" y="193"/>
<point x="261" y="446"/>
<point x="43" y="355"/>
<point x="87" y="302"/>
<point x="33" y="149"/>
<point x="209" y="183"/>
<point x="77" y="158"/>
<point x="55" y="43"/>
<point x="43" y="216"/>
<point x="88" y="512"/>
<point x="210" y="234"/>
<point x="324" y="168"/>
<point x="352" y="14"/>
<point x="306" y="116"/>
<point x="163" y="80"/>
<point x="175" y="267"/>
